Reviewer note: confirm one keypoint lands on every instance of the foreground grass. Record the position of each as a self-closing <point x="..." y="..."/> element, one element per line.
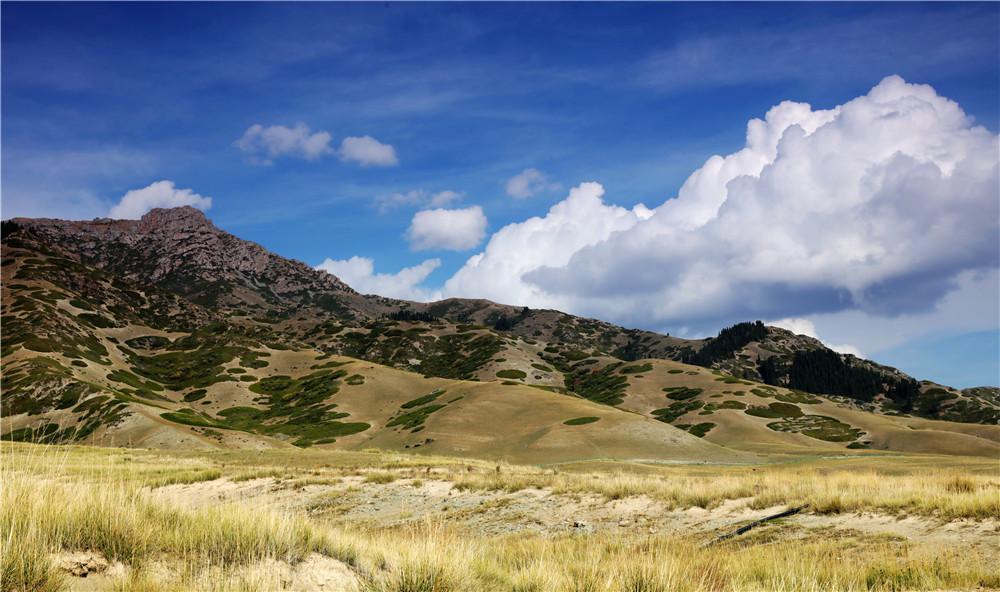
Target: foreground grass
<point x="932" y="491"/>
<point x="429" y="559"/>
<point x="59" y="499"/>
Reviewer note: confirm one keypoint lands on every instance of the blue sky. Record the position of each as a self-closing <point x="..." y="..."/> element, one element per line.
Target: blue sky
<point x="426" y="150"/>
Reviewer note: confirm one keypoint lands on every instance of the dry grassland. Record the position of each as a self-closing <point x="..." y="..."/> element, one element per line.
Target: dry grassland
<point x="330" y="520"/>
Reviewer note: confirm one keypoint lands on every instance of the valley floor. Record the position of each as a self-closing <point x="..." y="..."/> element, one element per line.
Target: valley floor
<point x="117" y="519"/>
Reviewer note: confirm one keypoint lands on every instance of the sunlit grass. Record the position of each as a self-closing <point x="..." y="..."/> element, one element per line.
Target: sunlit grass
<point x="104" y="500"/>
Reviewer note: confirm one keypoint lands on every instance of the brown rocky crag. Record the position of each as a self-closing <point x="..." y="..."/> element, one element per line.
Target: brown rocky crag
<point x="181" y="250"/>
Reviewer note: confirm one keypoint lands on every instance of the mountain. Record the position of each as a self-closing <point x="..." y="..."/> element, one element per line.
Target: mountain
<point x="181" y="250"/>
<point x="169" y="332"/>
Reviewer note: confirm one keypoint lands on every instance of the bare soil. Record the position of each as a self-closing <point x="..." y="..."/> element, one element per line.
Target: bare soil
<point x="540" y="511"/>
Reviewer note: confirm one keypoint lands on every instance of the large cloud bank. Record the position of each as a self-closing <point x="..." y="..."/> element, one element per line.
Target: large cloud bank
<point x="876" y="205"/>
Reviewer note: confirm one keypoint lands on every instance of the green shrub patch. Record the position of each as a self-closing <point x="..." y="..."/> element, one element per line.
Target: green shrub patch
<point x="701" y="429"/>
<point x="581" y="420"/>
<point x="776" y="410"/>
<point x="423" y="400"/>
<point x="511" y="373"/>
<point x="820" y="427"/>
<point x="726" y="405"/>
<point x="195" y="395"/>
<point x="638" y="369"/>
<point x="603" y="386"/>
<point x="413" y="418"/>
<point x="682" y="393"/>
<point x="674" y="411"/>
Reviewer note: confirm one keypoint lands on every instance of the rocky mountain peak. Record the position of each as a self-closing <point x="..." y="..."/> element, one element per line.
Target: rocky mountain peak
<point x="182" y="218"/>
<point x="181" y="250"/>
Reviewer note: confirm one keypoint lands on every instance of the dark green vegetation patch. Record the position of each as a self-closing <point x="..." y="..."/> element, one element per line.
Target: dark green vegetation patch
<point x="292" y="407"/>
<point x="776" y="410"/>
<point x="682" y="393"/>
<point x="674" y="411"/>
<point x="820" y="427"/>
<point x="413" y="418"/>
<point x="726" y="405"/>
<point x="430" y="398"/>
<point x="511" y="373"/>
<point x="603" y="386"/>
<point x="701" y="429"/>
<point x="638" y="369"/>
<point x="581" y="420"/>
<point x="195" y="395"/>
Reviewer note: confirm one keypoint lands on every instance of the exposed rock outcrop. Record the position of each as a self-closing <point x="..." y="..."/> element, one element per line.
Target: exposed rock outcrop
<point x="182" y="251"/>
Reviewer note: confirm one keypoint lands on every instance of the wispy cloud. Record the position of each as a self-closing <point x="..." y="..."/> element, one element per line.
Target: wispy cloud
<point x="526" y="184"/>
<point x="415" y="198"/>
<point x="849" y="49"/>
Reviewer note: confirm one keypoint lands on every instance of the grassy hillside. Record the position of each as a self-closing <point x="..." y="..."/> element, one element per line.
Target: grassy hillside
<point x="89" y="356"/>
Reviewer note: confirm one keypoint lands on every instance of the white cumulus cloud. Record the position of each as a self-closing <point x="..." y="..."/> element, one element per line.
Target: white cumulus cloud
<point x="528" y="183"/>
<point x="876" y="205"/>
<point x="455" y="230"/>
<point x="161" y="194"/>
<point x="366" y="150"/>
<point x="264" y="144"/>
<point x="581" y="219"/>
<point x="359" y="273"/>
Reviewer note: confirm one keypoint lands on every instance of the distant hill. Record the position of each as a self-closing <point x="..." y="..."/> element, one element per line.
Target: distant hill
<point x="169" y="332"/>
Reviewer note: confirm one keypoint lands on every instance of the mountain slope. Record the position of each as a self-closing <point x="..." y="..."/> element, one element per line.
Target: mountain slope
<point x="90" y="356"/>
<point x="99" y="311"/>
<point x="182" y="251"/>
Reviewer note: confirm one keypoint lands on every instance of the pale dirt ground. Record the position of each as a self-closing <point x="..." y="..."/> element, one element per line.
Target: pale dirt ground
<point x="539" y="511"/>
<point x="349" y="500"/>
<point x="91" y="572"/>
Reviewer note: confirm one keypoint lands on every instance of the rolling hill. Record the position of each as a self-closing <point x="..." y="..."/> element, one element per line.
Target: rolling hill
<point x="167" y="332"/>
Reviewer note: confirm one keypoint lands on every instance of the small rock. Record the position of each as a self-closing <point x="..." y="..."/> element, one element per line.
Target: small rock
<point x="624" y="523"/>
<point x="83" y="563"/>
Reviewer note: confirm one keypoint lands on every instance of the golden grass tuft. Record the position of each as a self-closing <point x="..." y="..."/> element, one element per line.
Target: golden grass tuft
<point x="57" y="499"/>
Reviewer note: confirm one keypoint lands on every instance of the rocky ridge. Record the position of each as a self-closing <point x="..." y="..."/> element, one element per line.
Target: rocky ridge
<point x="181" y="250"/>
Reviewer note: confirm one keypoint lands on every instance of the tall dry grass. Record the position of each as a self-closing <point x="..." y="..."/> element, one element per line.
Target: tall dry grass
<point x="433" y="558"/>
<point x="56" y="499"/>
<point x="943" y="494"/>
<point x="53" y="501"/>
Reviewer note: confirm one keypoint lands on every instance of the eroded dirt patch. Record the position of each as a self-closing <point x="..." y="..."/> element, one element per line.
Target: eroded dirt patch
<point x="356" y="500"/>
<point x="91" y="571"/>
